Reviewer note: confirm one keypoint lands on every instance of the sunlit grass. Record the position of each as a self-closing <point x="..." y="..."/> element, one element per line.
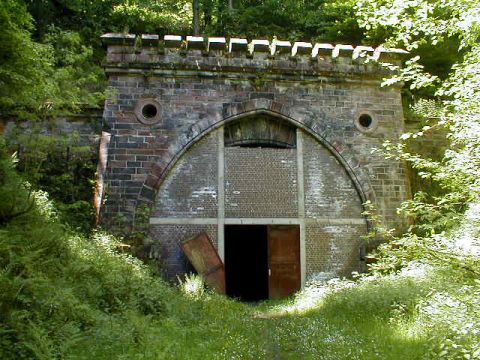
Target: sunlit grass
<point x="84" y="300"/>
<point x="376" y="318"/>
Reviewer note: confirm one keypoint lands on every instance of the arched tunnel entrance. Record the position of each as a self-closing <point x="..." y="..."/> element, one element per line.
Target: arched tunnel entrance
<point x="204" y="147"/>
<point x="276" y="204"/>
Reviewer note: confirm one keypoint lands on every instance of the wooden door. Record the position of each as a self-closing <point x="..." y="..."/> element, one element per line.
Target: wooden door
<point x="283" y="260"/>
<point x="204" y="258"/>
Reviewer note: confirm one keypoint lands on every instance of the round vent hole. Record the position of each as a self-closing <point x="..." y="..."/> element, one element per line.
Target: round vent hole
<point x="149" y="111"/>
<point x="365" y="120"/>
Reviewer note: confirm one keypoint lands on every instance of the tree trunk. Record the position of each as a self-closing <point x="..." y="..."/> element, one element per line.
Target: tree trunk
<point x="196" y="17"/>
<point x="230" y="5"/>
<point x="207" y="7"/>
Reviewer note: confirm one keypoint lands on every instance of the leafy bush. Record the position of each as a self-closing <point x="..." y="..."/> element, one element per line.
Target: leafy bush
<point x="59" y="164"/>
<point x="58" y="286"/>
<point x="24" y="64"/>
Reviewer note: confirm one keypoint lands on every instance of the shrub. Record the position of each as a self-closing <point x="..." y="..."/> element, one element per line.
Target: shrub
<point x="58" y="286"/>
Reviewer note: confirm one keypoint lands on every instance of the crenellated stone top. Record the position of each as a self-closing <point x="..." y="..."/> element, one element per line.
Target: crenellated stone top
<point x="127" y="52"/>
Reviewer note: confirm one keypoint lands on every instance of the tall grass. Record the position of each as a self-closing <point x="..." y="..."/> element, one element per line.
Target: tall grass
<point x="56" y="286"/>
<point x="67" y="296"/>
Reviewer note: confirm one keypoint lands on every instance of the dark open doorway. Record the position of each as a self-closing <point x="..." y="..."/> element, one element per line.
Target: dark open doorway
<point x="262" y="261"/>
<point x="246" y="262"/>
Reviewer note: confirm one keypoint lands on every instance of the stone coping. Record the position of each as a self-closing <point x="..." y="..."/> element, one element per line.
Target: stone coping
<point x="240" y="46"/>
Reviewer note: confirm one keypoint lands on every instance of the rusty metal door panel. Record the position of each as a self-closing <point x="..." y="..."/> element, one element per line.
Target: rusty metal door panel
<point x="283" y="260"/>
<point x="204" y="258"/>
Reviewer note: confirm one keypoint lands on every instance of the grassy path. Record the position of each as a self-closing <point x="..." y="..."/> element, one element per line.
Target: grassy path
<point x="377" y="320"/>
<point x="272" y="347"/>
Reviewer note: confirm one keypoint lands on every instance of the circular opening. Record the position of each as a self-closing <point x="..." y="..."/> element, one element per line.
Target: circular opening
<point x="149" y="111"/>
<point x="365" y="120"/>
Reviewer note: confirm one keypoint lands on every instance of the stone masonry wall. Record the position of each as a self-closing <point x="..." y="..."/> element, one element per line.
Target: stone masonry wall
<point x="185" y="102"/>
<point x="196" y="86"/>
<point x="331" y="249"/>
<point x="330" y="193"/>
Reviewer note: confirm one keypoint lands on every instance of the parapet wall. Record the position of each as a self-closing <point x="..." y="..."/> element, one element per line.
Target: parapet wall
<point x="127" y="51"/>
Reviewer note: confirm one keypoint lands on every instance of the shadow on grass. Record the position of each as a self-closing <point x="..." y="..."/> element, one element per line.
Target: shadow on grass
<point x="373" y="320"/>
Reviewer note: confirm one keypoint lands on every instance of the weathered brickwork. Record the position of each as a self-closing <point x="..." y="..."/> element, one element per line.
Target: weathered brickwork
<point x="166" y="156"/>
<point x="86" y="128"/>
<point x="169" y="252"/>
<point x="140" y="144"/>
<point x="330" y="193"/>
<point x="190" y="190"/>
<point x="333" y="249"/>
<point x="260" y="183"/>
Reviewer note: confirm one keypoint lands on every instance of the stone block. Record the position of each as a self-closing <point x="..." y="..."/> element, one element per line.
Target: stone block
<point x="341" y="50"/>
<point x="172" y="41"/>
<point x="322" y="50"/>
<point x="281" y="47"/>
<point x="237" y="45"/>
<point x="118" y="39"/>
<point x="302" y="48"/>
<point x="195" y="43"/>
<point x="262" y="46"/>
<point x="150" y="40"/>
<point x="216" y="44"/>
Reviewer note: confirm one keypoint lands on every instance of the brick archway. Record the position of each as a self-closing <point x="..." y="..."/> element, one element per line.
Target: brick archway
<point x="238" y="110"/>
<point x="167" y="163"/>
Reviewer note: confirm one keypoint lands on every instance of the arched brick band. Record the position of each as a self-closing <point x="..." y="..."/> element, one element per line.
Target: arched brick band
<point x="235" y="111"/>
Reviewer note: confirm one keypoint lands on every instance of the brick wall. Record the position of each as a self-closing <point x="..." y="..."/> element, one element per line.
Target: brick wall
<point x="330" y="193"/>
<point x="191" y="106"/>
<point x="162" y="164"/>
<point x="168" y="251"/>
<point x="333" y="250"/>
<point x="260" y="182"/>
<point x="190" y="190"/>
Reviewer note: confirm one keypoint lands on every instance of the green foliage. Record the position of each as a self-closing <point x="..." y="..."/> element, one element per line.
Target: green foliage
<point x="68" y="296"/>
<point x="44" y="78"/>
<point x="59" y="164"/>
<point x="58" y="287"/>
<point x="153" y="16"/>
<point x="454" y="320"/>
<point x="78" y="80"/>
<point x="51" y="50"/>
<point x="399" y="316"/>
<point x="24" y="64"/>
<point x="15" y="194"/>
<point x="437" y="215"/>
<point x="333" y="21"/>
<point x="322" y="20"/>
<point x="193" y="286"/>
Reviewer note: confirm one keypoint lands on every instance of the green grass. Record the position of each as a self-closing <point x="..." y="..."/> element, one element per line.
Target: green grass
<point x="377" y="319"/>
<point x="83" y="300"/>
<point x="65" y="296"/>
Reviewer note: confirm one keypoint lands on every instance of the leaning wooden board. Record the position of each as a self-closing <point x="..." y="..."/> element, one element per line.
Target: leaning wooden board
<point x="204" y="258"/>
